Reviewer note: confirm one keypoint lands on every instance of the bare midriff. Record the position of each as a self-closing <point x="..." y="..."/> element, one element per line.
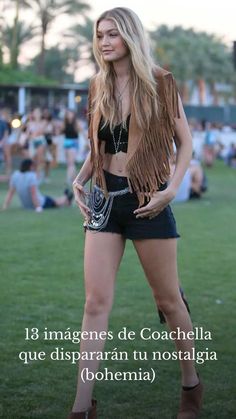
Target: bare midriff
<point x="114" y="163"/>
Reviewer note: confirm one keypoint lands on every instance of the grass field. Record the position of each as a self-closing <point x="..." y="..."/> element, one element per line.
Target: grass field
<point x="42" y="287"/>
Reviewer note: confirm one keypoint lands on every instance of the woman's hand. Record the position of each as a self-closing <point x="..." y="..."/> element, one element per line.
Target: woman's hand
<point x="156" y="204"/>
<point x="80" y="199"/>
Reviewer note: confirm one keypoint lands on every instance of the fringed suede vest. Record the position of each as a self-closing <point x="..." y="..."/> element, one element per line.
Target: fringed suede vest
<point x="147" y="163"/>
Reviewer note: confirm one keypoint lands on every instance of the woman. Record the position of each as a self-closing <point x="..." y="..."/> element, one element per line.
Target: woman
<point x="71" y="129"/>
<point x="5" y="139"/>
<point x="210" y="142"/>
<point x="51" y="148"/>
<point x="35" y="129"/>
<point x="135" y="112"/>
<point x="23" y="139"/>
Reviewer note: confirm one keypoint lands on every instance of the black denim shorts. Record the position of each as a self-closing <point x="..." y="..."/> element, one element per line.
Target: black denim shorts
<point x="123" y="221"/>
<point x="49" y="203"/>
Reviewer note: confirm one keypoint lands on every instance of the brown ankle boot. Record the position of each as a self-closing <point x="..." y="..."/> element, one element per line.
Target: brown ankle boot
<point x="88" y="414"/>
<point x="191" y="402"/>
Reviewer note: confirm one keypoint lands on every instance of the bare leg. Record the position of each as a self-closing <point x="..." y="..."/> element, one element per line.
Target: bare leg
<point x="47" y="169"/>
<point x="40" y="161"/>
<point x="25" y="153"/>
<point x="103" y="253"/>
<point x="71" y="167"/>
<point x="197" y="178"/>
<point x="8" y="158"/>
<point x="53" y="150"/>
<point x="159" y="261"/>
<point x="62" y="201"/>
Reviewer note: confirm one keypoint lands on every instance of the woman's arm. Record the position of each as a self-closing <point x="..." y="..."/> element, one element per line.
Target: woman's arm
<point x="81" y="179"/>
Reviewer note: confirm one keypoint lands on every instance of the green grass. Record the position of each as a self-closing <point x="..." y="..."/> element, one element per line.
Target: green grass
<point x="42" y="286"/>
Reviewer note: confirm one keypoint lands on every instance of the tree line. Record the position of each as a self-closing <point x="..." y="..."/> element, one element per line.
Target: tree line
<point x="195" y="58"/>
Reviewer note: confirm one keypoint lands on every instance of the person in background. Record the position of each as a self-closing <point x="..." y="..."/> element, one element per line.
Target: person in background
<point x="23" y="141"/>
<point x="83" y="141"/>
<point x="5" y="144"/>
<point x="36" y="126"/>
<point x="71" y="129"/>
<point x="231" y="156"/>
<point x="26" y="184"/>
<point x="194" y="182"/>
<point x="3" y="134"/>
<point x="212" y="136"/>
<point x="51" y="148"/>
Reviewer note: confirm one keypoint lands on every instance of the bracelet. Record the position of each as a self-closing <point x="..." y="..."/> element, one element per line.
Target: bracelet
<point x="78" y="184"/>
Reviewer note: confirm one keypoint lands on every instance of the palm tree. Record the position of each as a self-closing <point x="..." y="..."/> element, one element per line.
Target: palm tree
<point x="47" y="11"/>
<point x="222" y="70"/>
<point x="82" y="35"/>
<point x="173" y="48"/>
<point x="14" y="43"/>
<point x="57" y="62"/>
<point x="21" y="33"/>
<point x="212" y="64"/>
<point x="192" y="56"/>
<point x="2" y="9"/>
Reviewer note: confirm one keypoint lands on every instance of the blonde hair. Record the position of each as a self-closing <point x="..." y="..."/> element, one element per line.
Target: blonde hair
<point x="142" y="81"/>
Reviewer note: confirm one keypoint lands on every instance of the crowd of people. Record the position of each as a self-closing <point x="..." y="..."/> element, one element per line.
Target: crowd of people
<point x="36" y="136"/>
<point x="33" y="141"/>
<point x="40" y="134"/>
<point x="212" y="141"/>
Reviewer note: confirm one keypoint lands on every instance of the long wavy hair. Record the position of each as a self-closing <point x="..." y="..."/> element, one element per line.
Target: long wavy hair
<point x="142" y="82"/>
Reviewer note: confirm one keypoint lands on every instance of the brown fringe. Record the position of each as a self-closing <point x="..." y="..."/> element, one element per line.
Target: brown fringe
<point x="149" y="167"/>
<point x="171" y="96"/>
<point x="90" y="110"/>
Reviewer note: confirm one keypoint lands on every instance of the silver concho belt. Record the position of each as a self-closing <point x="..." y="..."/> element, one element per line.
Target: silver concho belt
<point x="100" y="207"/>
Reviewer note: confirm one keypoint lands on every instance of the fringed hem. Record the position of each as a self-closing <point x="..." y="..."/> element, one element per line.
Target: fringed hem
<point x="149" y="167"/>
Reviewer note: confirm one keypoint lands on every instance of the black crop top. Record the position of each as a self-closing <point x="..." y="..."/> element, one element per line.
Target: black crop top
<point x="105" y="134"/>
<point x="70" y="130"/>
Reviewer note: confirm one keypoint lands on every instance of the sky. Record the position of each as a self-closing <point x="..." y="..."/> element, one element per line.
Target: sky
<point x="212" y="16"/>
